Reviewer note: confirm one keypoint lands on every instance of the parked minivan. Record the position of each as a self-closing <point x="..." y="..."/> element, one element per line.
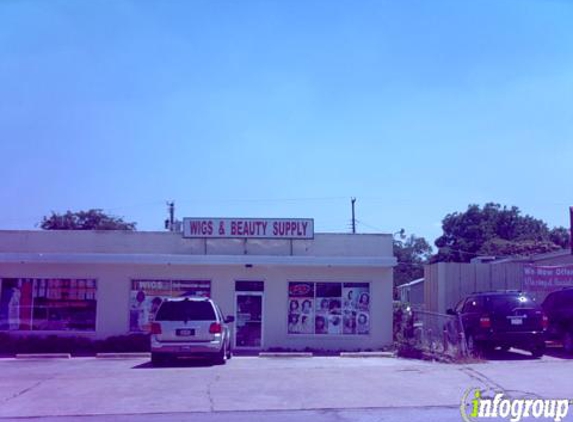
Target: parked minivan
<point x="190" y="327"/>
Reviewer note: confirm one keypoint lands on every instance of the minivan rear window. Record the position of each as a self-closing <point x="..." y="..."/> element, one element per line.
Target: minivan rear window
<point x="186" y="311"/>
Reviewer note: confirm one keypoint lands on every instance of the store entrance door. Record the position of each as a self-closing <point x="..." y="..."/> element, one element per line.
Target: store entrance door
<point x="248" y="315"/>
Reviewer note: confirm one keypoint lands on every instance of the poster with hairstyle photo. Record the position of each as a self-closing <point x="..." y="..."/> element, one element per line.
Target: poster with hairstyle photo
<point x="300" y="317"/>
<point x="294" y="316"/>
<point x="363" y="323"/>
<point x="321" y="324"/>
<point x="349" y="320"/>
<point x="335" y="324"/>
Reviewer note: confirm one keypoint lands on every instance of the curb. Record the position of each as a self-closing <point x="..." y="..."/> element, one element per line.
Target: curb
<point x="43" y="356"/>
<point x="123" y="355"/>
<point x="367" y="354"/>
<point x="285" y="355"/>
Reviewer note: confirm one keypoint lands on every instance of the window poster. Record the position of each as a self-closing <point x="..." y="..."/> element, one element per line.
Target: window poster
<point x="301" y="308"/>
<point x="356" y="304"/>
<point x="147" y="295"/>
<point x="48" y="304"/>
<point x="329" y="297"/>
<point x="331" y="308"/>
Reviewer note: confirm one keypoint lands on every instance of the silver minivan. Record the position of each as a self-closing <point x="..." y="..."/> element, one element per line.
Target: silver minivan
<point x="190" y="327"/>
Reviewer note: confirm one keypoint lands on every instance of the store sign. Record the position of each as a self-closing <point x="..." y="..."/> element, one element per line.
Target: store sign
<point x="546" y="278"/>
<point x="255" y="228"/>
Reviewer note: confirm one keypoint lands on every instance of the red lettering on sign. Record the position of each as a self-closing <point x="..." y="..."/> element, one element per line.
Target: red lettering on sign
<point x="299" y="289"/>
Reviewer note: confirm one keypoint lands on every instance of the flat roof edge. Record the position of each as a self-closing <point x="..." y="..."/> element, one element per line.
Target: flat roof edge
<point x="162" y="259"/>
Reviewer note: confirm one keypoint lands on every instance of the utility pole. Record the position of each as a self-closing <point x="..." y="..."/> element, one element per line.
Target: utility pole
<point x="170" y="224"/>
<point x="353" y="201"/>
<point x="571" y="228"/>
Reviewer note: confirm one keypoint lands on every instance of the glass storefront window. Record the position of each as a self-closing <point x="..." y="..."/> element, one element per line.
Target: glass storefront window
<point x="147" y="295"/>
<point x="329" y="308"/>
<point x="48" y="304"/>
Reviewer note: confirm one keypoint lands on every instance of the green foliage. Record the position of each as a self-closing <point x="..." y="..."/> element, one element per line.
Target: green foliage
<point x="560" y="236"/>
<point x="412" y="253"/>
<point x="501" y="247"/>
<point x="94" y="219"/>
<point x="495" y="230"/>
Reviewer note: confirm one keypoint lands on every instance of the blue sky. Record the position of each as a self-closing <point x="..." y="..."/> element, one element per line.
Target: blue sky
<point x="286" y="109"/>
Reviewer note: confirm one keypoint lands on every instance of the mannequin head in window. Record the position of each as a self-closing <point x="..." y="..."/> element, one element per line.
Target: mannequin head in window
<point x="155" y="304"/>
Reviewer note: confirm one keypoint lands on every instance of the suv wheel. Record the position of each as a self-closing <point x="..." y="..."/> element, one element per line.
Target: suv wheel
<point x="568" y="341"/>
<point x="221" y="357"/>
<point x="538" y="350"/>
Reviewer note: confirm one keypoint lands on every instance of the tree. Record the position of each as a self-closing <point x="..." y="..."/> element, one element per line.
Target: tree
<point x="495" y="230"/>
<point x="560" y="236"/>
<point x="94" y="219"/>
<point x="412" y="253"/>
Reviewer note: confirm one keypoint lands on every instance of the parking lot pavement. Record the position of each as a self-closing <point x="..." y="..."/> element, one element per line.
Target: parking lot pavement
<point x="89" y="386"/>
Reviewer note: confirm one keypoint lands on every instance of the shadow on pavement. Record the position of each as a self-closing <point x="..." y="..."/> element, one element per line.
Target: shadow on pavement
<point x="511" y="354"/>
<point x="178" y="363"/>
<point x="558" y="352"/>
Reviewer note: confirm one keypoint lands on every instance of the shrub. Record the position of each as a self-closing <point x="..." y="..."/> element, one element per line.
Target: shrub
<point x="11" y="344"/>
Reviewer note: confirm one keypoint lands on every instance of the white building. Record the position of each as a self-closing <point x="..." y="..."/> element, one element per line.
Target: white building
<point x="329" y="291"/>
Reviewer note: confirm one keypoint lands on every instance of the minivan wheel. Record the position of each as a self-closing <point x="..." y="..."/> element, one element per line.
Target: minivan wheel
<point x="568" y="342"/>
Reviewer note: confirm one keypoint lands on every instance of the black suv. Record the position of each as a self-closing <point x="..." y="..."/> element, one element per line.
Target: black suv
<point x="558" y="306"/>
<point x="502" y="319"/>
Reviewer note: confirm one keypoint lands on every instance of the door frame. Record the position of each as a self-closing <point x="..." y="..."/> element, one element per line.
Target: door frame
<point x="261" y="294"/>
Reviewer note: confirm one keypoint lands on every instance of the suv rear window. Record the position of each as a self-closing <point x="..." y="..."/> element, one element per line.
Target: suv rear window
<point x="186" y="311"/>
<point x="564" y="299"/>
<point x="506" y="304"/>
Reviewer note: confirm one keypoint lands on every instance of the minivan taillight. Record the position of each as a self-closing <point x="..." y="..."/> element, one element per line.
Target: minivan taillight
<point x="485" y="322"/>
<point x="215" y="328"/>
<point x="544" y="322"/>
<point x="155" y="328"/>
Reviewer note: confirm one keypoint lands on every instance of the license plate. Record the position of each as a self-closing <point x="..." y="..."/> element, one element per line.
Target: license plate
<point x="516" y="321"/>
<point x="186" y="332"/>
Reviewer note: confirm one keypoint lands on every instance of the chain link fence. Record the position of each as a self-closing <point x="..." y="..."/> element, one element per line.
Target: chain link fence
<point x="421" y="333"/>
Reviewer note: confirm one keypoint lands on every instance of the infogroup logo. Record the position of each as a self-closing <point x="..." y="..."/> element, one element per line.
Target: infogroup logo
<point x="476" y="406"/>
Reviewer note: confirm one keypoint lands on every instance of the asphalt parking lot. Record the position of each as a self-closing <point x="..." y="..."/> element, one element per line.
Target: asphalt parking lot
<point x="131" y="389"/>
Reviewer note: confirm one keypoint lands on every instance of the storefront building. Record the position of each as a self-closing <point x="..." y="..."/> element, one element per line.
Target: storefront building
<point x="287" y="287"/>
